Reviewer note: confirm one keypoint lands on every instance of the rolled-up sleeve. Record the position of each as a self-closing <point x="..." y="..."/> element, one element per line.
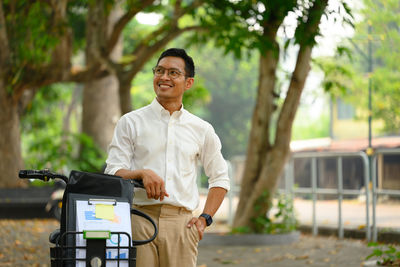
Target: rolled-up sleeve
<point x="120" y="151"/>
<point x="214" y="164"/>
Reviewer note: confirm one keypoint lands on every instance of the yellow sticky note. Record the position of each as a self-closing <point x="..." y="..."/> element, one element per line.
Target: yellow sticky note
<point x="105" y="211"/>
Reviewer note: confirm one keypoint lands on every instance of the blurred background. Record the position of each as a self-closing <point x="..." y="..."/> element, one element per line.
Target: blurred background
<point x="70" y="69"/>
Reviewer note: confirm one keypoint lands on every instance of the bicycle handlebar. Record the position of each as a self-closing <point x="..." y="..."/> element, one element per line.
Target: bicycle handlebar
<point x="44" y="175"/>
<point x="137" y="183"/>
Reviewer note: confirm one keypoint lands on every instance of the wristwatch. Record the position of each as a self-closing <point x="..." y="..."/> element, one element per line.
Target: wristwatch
<point x="207" y="217"/>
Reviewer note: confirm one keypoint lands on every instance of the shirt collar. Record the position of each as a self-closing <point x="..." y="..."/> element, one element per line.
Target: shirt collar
<point x="160" y="110"/>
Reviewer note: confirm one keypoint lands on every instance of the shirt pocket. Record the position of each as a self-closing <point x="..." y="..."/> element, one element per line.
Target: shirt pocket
<point x="187" y="158"/>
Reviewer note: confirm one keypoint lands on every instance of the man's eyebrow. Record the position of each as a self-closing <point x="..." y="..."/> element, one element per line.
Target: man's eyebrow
<point x="167" y="68"/>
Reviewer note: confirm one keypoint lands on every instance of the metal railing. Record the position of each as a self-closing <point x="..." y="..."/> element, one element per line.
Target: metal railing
<point x="371" y="230"/>
<point x="339" y="191"/>
<point x="378" y="191"/>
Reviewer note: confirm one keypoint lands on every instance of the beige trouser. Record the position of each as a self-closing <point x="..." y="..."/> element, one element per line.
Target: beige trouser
<point x="175" y="244"/>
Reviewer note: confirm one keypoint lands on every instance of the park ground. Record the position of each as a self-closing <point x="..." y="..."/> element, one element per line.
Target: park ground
<point x="25" y="243"/>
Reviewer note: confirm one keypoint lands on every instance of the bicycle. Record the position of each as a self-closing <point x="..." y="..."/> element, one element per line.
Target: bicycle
<point x="73" y="246"/>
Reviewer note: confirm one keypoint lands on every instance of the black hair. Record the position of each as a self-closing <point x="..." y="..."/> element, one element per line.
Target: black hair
<point x="179" y="52"/>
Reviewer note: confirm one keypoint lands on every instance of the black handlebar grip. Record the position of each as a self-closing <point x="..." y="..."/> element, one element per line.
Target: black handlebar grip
<point x="137" y="183"/>
<point x="22" y="174"/>
<point x="30" y="174"/>
<point x="44" y="175"/>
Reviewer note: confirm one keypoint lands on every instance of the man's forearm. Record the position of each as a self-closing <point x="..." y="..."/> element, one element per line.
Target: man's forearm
<point x="214" y="199"/>
<point x="128" y="174"/>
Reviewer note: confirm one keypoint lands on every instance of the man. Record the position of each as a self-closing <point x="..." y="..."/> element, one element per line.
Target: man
<point x="161" y="144"/>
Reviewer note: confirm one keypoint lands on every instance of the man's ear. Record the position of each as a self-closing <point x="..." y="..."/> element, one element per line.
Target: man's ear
<point x="189" y="83"/>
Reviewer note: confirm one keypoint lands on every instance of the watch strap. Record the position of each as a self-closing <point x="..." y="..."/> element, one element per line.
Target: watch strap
<point x="207" y="217"/>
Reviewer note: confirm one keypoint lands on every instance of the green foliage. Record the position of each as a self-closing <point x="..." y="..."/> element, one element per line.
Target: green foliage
<point x="28" y="27"/>
<point x="48" y="143"/>
<point x="236" y="26"/>
<point x="306" y="128"/>
<point x="196" y="98"/>
<point x="387" y="255"/>
<point x="338" y="74"/>
<point x="76" y="15"/>
<point x="240" y="27"/>
<point x="133" y="34"/>
<point x="60" y="152"/>
<point x="282" y="221"/>
<point x="348" y="77"/>
<point x="34" y="29"/>
<point x="233" y="86"/>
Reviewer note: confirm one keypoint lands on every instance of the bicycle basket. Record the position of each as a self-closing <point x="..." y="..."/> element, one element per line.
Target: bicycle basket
<point x="83" y="187"/>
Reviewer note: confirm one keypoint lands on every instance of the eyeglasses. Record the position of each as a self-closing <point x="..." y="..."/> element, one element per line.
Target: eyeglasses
<point x="172" y="73"/>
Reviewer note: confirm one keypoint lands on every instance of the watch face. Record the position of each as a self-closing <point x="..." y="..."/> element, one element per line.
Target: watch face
<point x="208" y="218"/>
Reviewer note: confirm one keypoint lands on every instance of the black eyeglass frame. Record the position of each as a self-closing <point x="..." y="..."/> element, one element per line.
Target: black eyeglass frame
<point x="169" y="75"/>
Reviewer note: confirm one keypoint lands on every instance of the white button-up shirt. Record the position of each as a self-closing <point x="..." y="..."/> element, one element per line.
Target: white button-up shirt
<point x="171" y="146"/>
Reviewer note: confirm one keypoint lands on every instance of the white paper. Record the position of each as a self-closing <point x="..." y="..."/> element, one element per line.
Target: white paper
<point x="86" y="220"/>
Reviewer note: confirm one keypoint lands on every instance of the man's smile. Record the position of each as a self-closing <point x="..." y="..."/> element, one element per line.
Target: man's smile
<point x="164" y="85"/>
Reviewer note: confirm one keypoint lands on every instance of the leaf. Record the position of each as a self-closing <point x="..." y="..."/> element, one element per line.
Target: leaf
<point x="373" y="244"/>
<point x="390" y="250"/>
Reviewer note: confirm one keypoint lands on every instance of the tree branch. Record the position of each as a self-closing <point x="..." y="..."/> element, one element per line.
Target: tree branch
<point x="299" y="76"/>
<point x="46" y="76"/>
<point x="120" y="25"/>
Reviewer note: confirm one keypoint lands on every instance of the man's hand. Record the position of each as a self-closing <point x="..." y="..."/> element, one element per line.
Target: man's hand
<point x="200" y="224"/>
<point x="154" y="185"/>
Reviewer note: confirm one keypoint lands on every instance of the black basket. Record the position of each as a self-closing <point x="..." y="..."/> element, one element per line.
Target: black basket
<point x="64" y="255"/>
<point x="86" y="186"/>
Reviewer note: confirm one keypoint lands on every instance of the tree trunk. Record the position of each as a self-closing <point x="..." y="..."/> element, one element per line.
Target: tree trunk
<point x="11" y="100"/>
<point x="10" y="144"/>
<point x="265" y="162"/>
<point x="259" y="142"/>
<point x="101" y="109"/>
<point x="125" y="96"/>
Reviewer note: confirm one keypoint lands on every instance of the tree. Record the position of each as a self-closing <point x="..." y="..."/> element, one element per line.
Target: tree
<point x="36" y="48"/>
<point x="255" y="25"/>
<point x="375" y="45"/>
<point x="34" y="51"/>
<point x="100" y="101"/>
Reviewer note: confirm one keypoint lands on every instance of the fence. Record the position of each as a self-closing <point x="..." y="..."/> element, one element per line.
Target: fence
<point x="379" y="191"/>
<point x="339" y="191"/>
<point x="370" y="190"/>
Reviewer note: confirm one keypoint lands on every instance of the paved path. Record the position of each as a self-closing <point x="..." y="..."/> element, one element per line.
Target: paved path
<point x="308" y="251"/>
<point x="24" y="243"/>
